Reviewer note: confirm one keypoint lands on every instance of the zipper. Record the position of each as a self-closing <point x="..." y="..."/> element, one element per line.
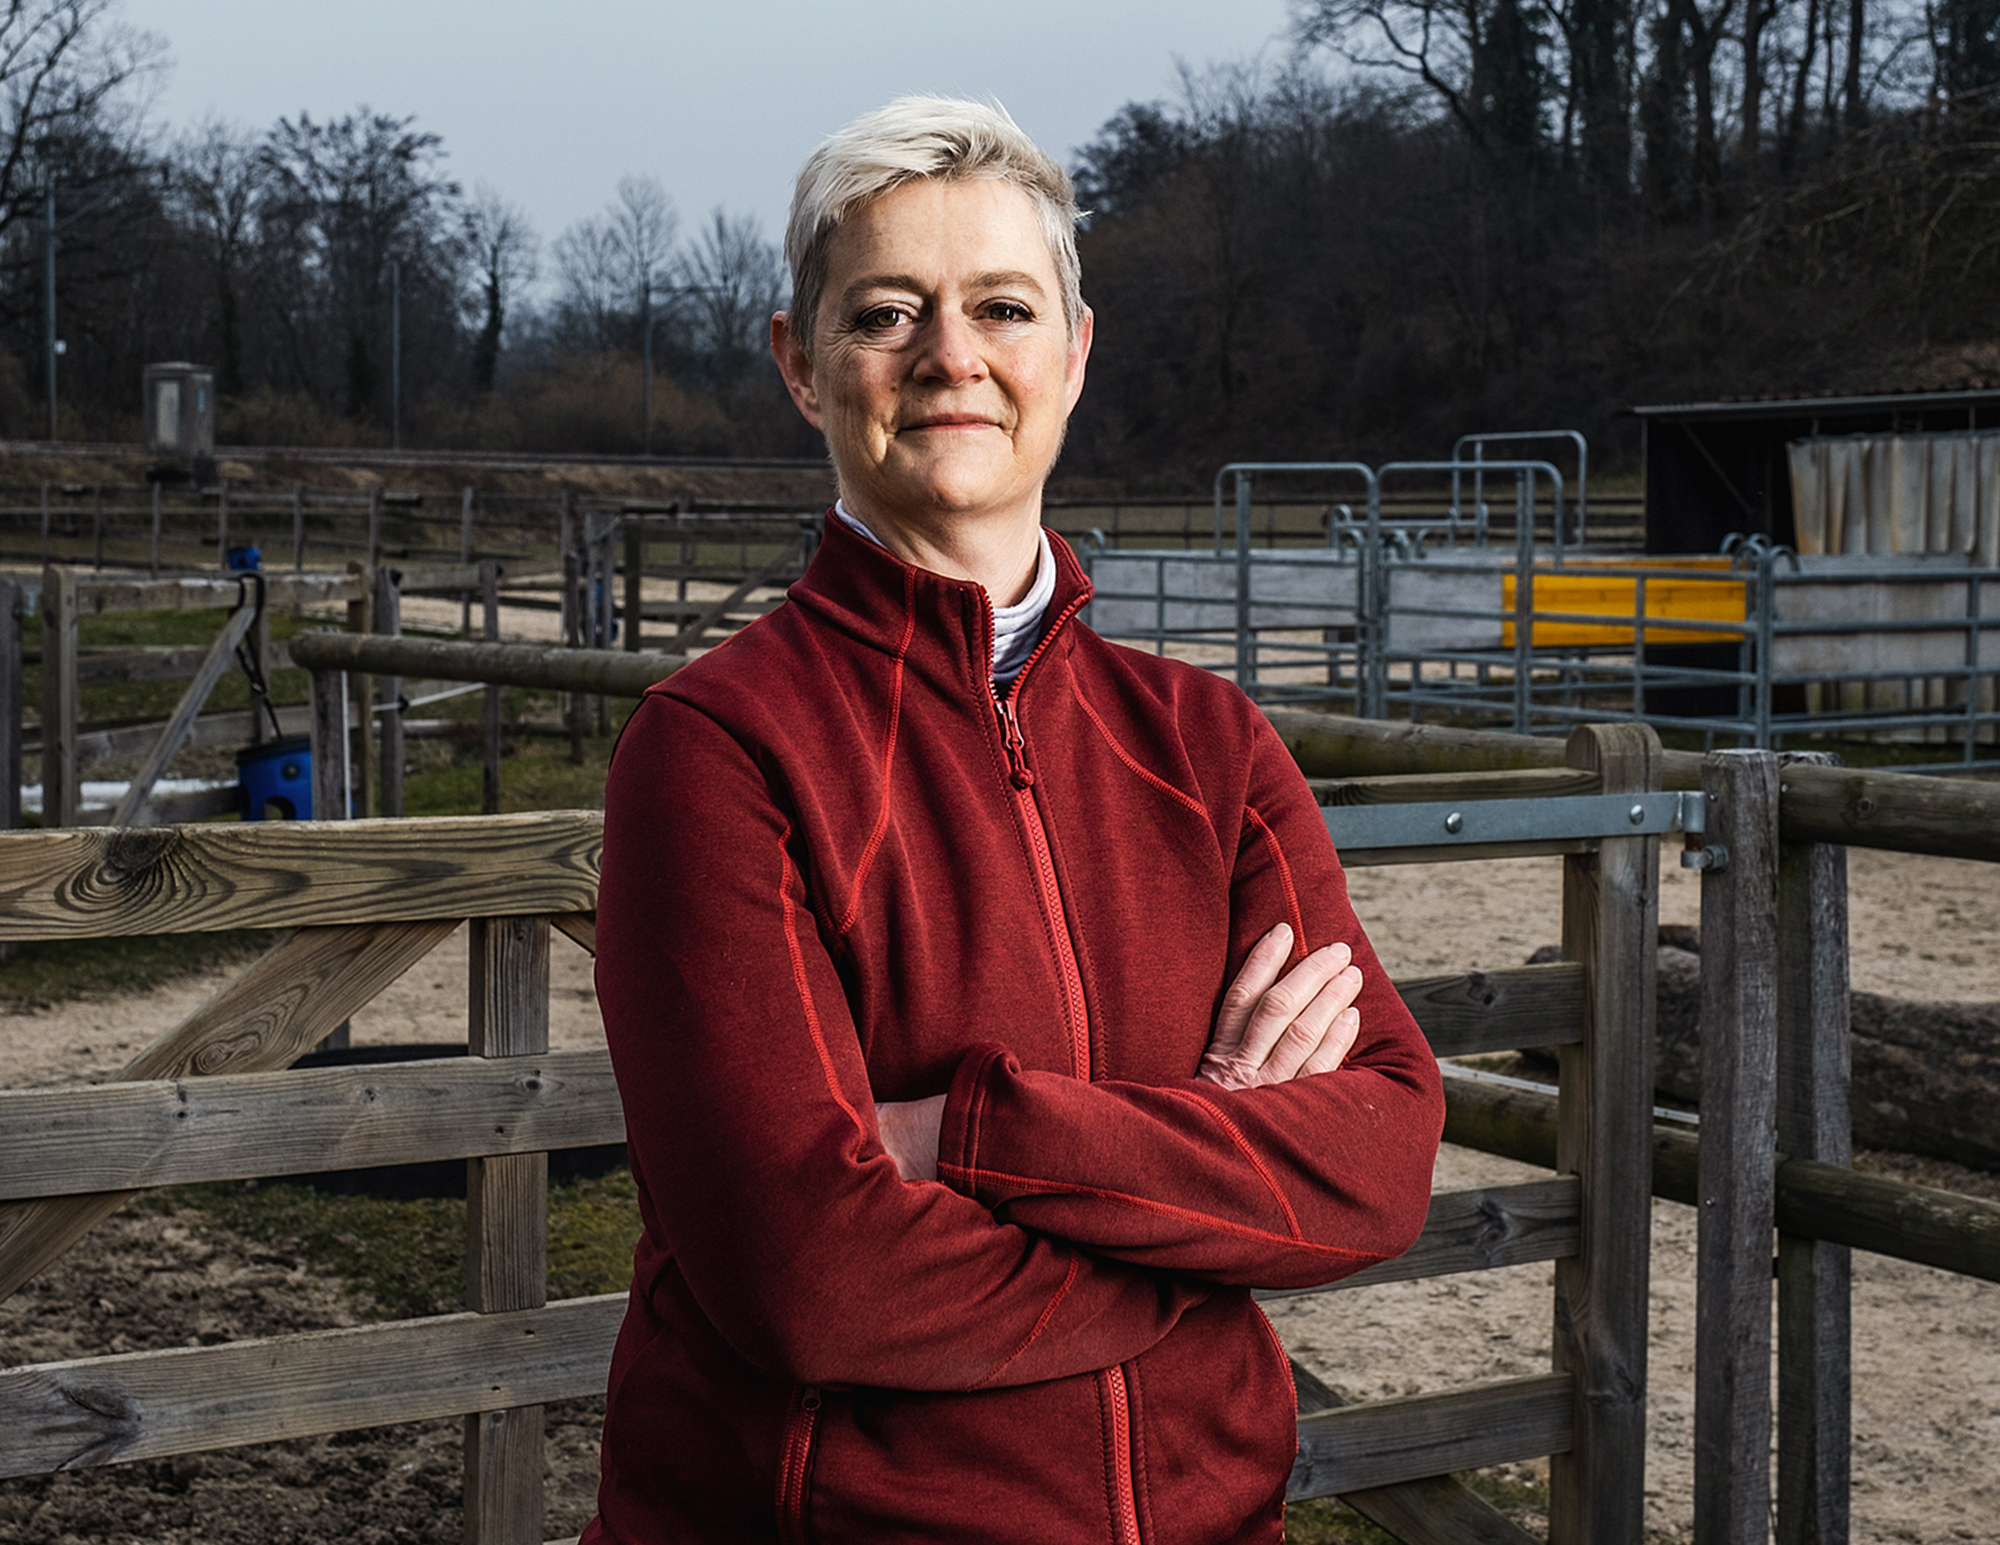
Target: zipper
<point x="795" y="1465"/>
<point x="1022" y="778"/>
<point x="1124" y="1499"/>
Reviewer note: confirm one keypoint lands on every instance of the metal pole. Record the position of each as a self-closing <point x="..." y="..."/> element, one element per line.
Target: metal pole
<point x="1246" y="649"/>
<point x="49" y="280"/>
<point x="395" y="354"/>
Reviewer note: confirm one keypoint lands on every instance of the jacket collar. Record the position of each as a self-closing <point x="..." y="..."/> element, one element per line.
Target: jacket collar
<point x="869" y="593"/>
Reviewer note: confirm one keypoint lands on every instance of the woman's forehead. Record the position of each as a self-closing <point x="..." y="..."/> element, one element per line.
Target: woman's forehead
<point x="931" y="230"/>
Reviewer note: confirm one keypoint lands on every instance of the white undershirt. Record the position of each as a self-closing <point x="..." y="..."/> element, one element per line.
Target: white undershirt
<point x="1016" y="628"/>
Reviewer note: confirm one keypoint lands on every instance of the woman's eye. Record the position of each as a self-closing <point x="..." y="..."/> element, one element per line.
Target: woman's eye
<point x="882" y="318"/>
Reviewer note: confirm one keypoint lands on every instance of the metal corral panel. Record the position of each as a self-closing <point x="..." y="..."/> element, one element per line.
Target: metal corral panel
<point x="1140" y="594"/>
<point x="1847" y="593"/>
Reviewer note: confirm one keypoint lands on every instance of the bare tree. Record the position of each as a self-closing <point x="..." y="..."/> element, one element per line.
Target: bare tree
<point x="731" y="280"/>
<point x="589" y="306"/>
<point x="502" y="246"/>
<point x="221" y="180"/>
<point x="643" y="226"/>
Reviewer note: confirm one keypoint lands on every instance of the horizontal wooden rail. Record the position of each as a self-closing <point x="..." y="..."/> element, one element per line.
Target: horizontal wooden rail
<point x="122" y="1137"/>
<point x="615" y="672"/>
<point x="151" y="1405"/>
<point x="1484" y="1011"/>
<point x="1817" y="1201"/>
<point x="1903" y="812"/>
<point x="1480" y="783"/>
<point x="1358" y="1447"/>
<point x="102" y="882"/>
<point x="205" y="592"/>
<point x="1477" y="1231"/>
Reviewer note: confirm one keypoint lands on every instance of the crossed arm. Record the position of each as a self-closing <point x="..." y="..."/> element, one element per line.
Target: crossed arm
<point x="1273" y="1026"/>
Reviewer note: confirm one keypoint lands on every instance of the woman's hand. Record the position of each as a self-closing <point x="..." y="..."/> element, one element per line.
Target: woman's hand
<point x="1273" y="1028"/>
<point x="910" y="1130"/>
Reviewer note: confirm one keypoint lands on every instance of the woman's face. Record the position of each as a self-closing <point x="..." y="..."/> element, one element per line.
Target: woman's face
<point x="940" y="370"/>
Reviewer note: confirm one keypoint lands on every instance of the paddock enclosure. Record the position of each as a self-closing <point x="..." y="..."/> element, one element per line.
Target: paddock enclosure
<point x="213" y="1099"/>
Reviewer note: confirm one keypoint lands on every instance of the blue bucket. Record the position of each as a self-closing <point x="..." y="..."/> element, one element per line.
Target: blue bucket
<point x="279" y="773"/>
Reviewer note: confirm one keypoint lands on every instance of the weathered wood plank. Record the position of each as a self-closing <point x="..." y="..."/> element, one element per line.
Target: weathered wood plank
<point x="1862" y="808"/>
<point x="1610" y="922"/>
<point x="102" y="882"/>
<point x="1480" y="783"/>
<point x="579" y="927"/>
<point x="507" y="1227"/>
<point x="264" y="1019"/>
<point x="1387" y="1441"/>
<point x="74" y="1140"/>
<point x="610" y="671"/>
<point x="389" y="691"/>
<point x="62" y="703"/>
<point x="1476" y="1231"/>
<point x="11" y="613"/>
<point x="1438" y="1510"/>
<point x="1937" y="1228"/>
<point x="190" y="592"/>
<point x="1815" y="1279"/>
<point x="221" y="656"/>
<point x="150" y="1405"/>
<point x="1739" y="921"/>
<point x="1484" y="1011"/>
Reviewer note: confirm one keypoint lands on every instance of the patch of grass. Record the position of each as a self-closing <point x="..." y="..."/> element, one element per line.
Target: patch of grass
<point x="47" y="971"/>
<point x="407" y="1257"/>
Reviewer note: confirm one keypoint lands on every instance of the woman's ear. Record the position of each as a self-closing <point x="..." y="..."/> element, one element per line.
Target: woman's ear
<point x="795" y="365"/>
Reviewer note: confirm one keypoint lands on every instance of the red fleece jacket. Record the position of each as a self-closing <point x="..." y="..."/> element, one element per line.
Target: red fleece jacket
<point x="834" y="874"/>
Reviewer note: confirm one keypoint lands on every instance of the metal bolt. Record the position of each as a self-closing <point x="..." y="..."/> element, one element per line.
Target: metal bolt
<point x="1636" y="815"/>
<point x="1454" y="823"/>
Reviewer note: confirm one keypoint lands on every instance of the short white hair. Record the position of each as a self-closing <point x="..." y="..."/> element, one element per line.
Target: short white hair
<point x="915" y="137"/>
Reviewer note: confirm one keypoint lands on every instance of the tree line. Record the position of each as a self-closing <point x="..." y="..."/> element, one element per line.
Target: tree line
<point x="1417" y="218"/>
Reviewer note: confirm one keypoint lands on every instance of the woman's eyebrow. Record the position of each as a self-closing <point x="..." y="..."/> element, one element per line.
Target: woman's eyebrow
<point x="997" y="279"/>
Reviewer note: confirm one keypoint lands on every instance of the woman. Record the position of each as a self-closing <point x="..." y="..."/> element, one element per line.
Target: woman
<point x="957" y="1163"/>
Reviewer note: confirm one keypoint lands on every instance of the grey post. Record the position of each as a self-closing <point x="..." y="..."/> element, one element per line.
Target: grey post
<point x="1737" y="1186"/>
<point x="222" y="524"/>
<point x="489" y="591"/>
<point x="62" y="703"/>
<point x="1814" y="1277"/>
<point x="389" y="690"/>
<point x="11" y="613"/>
<point x="465" y="557"/>
<point x="157" y="492"/>
<point x="1604" y="1137"/>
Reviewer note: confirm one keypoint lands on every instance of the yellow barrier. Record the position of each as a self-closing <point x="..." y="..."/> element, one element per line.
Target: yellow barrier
<point x="1674" y="597"/>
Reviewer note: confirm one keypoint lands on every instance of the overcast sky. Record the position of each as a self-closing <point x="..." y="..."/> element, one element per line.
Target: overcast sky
<point x="552" y="103"/>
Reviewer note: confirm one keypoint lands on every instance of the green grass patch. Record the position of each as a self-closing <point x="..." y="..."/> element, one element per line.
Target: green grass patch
<point x="1329" y="1521"/>
<point x="406" y="1258"/>
<point x="49" y="971"/>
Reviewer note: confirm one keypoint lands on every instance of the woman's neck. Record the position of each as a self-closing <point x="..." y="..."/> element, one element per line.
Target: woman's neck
<point x="1001" y="556"/>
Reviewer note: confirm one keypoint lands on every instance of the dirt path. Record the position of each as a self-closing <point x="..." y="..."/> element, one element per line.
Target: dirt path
<point x="1927" y="1345"/>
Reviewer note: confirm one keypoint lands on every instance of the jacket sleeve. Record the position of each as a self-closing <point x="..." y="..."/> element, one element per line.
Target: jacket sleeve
<point x="1283" y="1186"/>
<point x="752" y="1126"/>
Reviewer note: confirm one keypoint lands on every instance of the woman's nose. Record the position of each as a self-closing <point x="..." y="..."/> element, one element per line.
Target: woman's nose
<point x="951" y="352"/>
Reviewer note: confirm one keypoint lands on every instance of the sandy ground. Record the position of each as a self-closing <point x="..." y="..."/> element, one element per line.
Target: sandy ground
<point x="1927" y="1344"/>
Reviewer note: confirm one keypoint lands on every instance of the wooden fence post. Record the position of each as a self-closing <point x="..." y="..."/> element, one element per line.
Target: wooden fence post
<point x="45" y="520"/>
<point x="506" y="1257"/>
<point x="298" y="529"/>
<point x="62" y="698"/>
<point x="97" y="526"/>
<point x="1814" y="1122"/>
<point x="361" y="693"/>
<point x="374" y="527"/>
<point x="635" y="578"/>
<point x="389" y="690"/>
<point x="1737" y="1178"/>
<point x="158" y="495"/>
<point x="489" y="590"/>
<point x="222" y="524"/>
<point x="465" y="557"/>
<point x="10" y="708"/>
<point x="1604" y="1137"/>
<point x="331" y="751"/>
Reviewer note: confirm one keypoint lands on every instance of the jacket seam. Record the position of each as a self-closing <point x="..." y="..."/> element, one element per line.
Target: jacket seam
<point x="1029" y="1183"/>
<point x="881" y="829"/>
<point x="1041" y="1324"/>
<point x="803" y="985"/>
<point x="1284" y="878"/>
<point x="1144" y="773"/>
<point x="1243" y="1146"/>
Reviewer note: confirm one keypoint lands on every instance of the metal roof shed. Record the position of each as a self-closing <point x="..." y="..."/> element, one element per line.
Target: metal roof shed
<point x="1717" y="467"/>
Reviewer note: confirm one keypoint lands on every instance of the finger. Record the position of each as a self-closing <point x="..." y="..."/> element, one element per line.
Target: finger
<point x="1334" y="1045"/>
<point x="1260" y="969"/>
<point x="1292" y="995"/>
<point x="1303" y="1038"/>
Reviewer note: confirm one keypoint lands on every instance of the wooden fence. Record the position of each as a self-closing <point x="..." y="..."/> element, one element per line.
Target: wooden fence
<point x="213" y="1100"/>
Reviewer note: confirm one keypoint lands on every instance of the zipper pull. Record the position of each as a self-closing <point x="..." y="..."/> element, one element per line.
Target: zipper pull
<point x="1020" y="777"/>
